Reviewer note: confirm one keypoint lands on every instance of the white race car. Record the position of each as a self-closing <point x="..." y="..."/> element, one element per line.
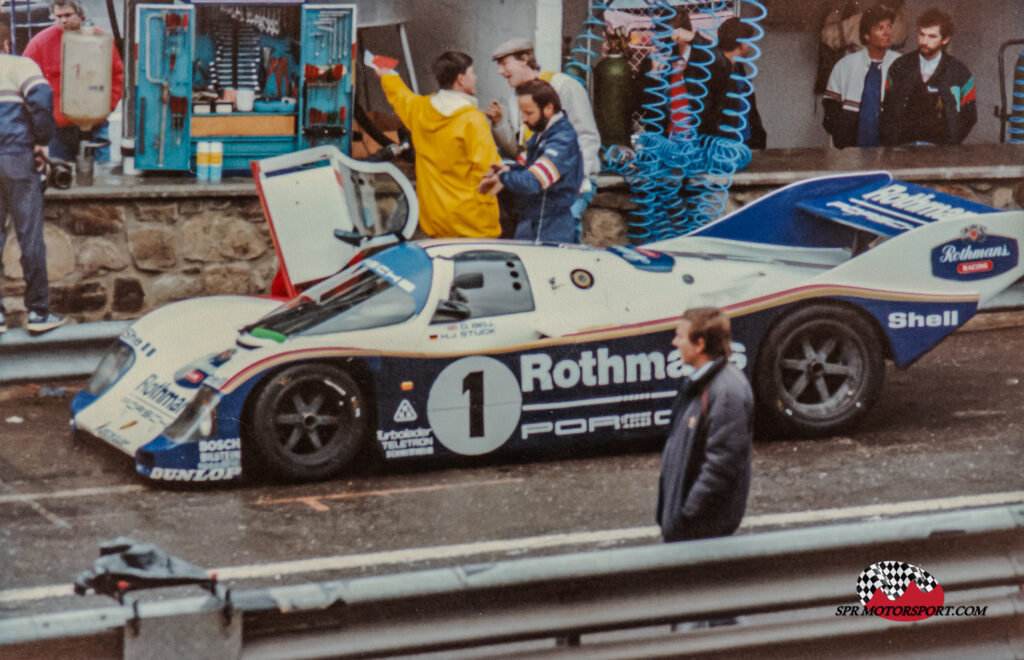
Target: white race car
<point x="470" y="347"/>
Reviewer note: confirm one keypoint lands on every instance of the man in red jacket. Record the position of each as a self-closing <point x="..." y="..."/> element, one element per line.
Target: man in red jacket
<point x="45" y="49"/>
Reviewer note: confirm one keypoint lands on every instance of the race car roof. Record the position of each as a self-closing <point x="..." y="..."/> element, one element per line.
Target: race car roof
<point x="871" y="202"/>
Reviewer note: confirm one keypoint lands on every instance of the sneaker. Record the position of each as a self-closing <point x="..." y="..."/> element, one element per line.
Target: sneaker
<point x="38" y="323"/>
<point x="3" y="323"/>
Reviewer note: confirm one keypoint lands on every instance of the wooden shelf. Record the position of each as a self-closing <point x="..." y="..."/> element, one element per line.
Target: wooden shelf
<point x="224" y="125"/>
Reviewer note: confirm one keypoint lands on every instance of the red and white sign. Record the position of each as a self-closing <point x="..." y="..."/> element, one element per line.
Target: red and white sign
<point x="974" y="267"/>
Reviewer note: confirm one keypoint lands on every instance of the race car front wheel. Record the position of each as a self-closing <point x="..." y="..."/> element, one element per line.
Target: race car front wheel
<point x="819" y="371"/>
<point x="307" y="423"/>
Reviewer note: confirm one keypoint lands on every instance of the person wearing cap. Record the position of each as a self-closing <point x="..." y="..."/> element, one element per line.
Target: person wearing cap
<point x="454" y="149"/>
<point x="517" y="64"/>
<point x="547" y="181"/>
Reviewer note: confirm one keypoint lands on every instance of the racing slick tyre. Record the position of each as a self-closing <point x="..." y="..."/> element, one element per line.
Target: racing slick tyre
<point x="307" y="423"/>
<point x="819" y="371"/>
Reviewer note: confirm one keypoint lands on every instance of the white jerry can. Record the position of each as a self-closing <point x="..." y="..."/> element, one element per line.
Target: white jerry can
<point x="86" y="76"/>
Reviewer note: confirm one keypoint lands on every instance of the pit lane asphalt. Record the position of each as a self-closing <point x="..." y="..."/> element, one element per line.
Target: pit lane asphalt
<point x="950" y="426"/>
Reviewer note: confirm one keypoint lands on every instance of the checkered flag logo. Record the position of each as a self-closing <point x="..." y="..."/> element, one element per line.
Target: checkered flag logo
<point x="893" y="578"/>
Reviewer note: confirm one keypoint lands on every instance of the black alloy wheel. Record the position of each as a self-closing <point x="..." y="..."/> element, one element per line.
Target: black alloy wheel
<point x="307" y="423"/>
<point x="820" y="371"/>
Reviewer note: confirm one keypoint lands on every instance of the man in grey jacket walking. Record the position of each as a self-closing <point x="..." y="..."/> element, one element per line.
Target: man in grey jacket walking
<point x="705" y="470"/>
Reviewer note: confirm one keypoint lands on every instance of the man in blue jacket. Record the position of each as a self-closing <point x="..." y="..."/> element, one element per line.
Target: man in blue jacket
<point x="26" y="127"/>
<point x="547" y="180"/>
<point x="705" y="469"/>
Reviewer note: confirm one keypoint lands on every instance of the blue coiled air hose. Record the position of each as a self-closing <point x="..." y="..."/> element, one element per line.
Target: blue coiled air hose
<point x="1015" y="127"/>
<point x="681" y="181"/>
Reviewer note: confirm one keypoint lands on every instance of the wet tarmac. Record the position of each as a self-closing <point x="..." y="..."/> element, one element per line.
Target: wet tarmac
<point x="947" y="430"/>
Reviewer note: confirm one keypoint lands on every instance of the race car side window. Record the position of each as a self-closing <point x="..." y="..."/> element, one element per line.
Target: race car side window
<point x="485" y="283"/>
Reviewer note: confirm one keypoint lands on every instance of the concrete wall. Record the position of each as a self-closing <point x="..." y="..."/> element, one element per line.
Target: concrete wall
<point x="473" y="26"/>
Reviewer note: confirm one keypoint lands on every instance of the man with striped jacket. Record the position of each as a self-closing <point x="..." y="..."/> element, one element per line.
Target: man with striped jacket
<point x="26" y="127"/>
<point x="546" y="181"/>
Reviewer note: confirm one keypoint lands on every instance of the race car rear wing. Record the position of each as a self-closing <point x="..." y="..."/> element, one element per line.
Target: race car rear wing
<point x="851" y="205"/>
<point x="324" y="208"/>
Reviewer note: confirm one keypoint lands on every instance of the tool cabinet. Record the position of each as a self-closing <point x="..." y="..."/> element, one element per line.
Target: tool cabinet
<point x="263" y="78"/>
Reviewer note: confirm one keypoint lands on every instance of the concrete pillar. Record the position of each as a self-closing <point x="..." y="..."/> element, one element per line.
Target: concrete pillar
<point x="547" y="38"/>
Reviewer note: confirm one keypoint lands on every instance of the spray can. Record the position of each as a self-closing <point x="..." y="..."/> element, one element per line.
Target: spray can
<point x="216" y="161"/>
<point x="128" y="157"/>
<point x="203" y="161"/>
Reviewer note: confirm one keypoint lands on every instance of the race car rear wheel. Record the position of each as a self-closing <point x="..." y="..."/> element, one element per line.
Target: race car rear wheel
<point x="819" y="371"/>
<point x="307" y="423"/>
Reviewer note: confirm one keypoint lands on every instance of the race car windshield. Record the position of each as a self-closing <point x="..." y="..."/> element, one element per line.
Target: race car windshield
<point x="364" y="300"/>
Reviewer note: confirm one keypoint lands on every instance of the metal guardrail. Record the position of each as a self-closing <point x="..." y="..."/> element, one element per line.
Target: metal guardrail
<point x="70" y="351"/>
<point x="579" y="605"/>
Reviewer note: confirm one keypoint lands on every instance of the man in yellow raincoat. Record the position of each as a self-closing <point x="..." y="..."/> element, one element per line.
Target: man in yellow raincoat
<point x="454" y="149"/>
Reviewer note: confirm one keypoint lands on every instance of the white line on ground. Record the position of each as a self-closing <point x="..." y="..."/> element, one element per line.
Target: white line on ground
<point x="608" y="536"/>
<point x="65" y="494"/>
<point x="50" y="516"/>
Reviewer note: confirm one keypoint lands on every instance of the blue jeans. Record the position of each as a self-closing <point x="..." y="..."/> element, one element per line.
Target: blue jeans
<point x="64" y="144"/>
<point x="22" y="197"/>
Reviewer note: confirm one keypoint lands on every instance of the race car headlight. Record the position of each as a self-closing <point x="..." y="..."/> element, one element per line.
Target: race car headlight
<point x="118" y="360"/>
<point x="198" y="420"/>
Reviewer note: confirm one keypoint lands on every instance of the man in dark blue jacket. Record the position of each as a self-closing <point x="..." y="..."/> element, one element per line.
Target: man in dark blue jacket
<point x="26" y="127"/>
<point x="705" y="469"/>
<point x="547" y="180"/>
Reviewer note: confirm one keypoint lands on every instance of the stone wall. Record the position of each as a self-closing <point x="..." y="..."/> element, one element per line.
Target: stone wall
<point x="119" y="255"/>
<point x="119" y="258"/>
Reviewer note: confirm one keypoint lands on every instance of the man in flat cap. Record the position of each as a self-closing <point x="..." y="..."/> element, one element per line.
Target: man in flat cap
<point x="517" y="64"/>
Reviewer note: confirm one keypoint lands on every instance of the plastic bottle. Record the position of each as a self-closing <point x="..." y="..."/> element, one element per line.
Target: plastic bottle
<point x="203" y="161"/>
<point x="216" y="161"/>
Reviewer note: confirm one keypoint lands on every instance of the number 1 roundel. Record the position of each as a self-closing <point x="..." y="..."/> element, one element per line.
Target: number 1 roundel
<point x="474" y="405"/>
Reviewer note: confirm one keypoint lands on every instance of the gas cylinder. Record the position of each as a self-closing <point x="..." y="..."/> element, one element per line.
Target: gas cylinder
<point x="86" y="73"/>
<point x="612" y="87"/>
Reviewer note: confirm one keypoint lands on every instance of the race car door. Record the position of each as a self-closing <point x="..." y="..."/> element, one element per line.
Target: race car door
<point x="324" y="207"/>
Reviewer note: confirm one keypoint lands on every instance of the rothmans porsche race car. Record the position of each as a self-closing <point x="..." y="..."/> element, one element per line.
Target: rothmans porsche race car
<point x="470" y="347"/>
